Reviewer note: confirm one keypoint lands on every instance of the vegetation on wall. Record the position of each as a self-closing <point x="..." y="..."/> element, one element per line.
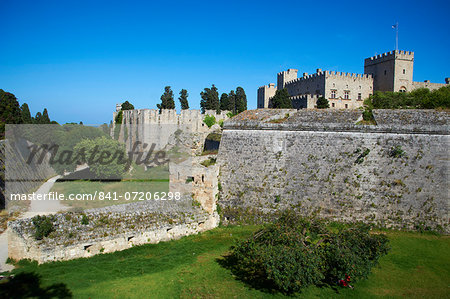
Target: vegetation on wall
<point x="421" y="98"/>
<point x="209" y="120"/>
<point x="43" y="226"/>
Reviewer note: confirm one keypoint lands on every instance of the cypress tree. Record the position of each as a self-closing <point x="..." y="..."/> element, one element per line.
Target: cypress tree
<point x="183" y="99"/>
<point x="241" y="100"/>
<point x="25" y="114"/>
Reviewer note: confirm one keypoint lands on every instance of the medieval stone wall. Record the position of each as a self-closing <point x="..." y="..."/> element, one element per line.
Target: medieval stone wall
<point x="322" y="162"/>
<point x="109" y="229"/>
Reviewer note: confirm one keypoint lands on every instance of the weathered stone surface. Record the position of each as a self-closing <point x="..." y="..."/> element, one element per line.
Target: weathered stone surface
<point x="109" y="229"/>
<point x="318" y="165"/>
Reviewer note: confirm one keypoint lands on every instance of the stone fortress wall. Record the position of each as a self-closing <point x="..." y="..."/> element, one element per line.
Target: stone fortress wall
<point x="122" y="226"/>
<point x="390" y="71"/>
<point x="109" y="229"/>
<point x="151" y="126"/>
<point x="323" y="162"/>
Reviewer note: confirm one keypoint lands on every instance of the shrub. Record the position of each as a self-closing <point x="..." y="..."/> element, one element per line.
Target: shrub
<point x="230" y="114"/>
<point x="209" y="162"/>
<point x="209" y="120"/>
<point x="84" y="220"/>
<point x="43" y="226"/>
<point x="322" y="103"/>
<point x="293" y="253"/>
<point x="368" y="115"/>
<point x="397" y="152"/>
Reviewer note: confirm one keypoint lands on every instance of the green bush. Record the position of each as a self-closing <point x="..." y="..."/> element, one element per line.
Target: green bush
<point x="421" y="98"/>
<point x="209" y="120"/>
<point x="397" y="152"/>
<point x="322" y="103"/>
<point x="84" y="220"/>
<point x="293" y="253"/>
<point x="43" y="226"/>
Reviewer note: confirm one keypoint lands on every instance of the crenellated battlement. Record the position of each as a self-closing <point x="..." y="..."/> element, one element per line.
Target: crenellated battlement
<point x="289" y="71"/>
<point x="397" y="54"/>
<point x="350" y="75"/>
<point x="321" y="73"/>
<point x="270" y="85"/>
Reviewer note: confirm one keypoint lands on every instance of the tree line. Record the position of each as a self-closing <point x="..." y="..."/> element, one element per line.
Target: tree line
<point x="235" y="101"/>
<point x="12" y="113"/>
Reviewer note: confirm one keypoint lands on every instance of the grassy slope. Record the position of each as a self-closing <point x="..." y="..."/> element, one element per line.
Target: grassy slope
<point x="417" y="266"/>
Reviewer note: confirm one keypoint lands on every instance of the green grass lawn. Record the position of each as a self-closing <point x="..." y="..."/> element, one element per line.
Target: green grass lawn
<point x="418" y="266"/>
<point x="137" y="180"/>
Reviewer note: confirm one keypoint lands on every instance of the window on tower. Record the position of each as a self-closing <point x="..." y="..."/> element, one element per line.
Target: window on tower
<point x="347" y="94"/>
<point x="404" y="71"/>
<point x="333" y="93"/>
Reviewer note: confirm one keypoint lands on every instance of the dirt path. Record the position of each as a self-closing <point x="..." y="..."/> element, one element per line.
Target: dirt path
<point x="36" y="208"/>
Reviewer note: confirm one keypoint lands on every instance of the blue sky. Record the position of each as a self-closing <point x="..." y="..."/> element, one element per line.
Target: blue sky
<point x="79" y="58"/>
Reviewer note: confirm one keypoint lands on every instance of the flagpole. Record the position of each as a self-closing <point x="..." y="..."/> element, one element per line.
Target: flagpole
<point x="396" y="36"/>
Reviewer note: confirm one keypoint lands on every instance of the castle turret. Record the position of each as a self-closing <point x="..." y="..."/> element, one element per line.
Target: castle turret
<point x="391" y="71"/>
<point x="264" y="94"/>
<point x="286" y="76"/>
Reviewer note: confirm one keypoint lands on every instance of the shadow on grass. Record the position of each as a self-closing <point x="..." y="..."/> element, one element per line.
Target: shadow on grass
<point x="28" y="285"/>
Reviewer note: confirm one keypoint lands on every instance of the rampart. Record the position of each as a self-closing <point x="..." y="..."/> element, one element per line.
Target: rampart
<point x="108" y="229"/>
<point x="324" y="162"/>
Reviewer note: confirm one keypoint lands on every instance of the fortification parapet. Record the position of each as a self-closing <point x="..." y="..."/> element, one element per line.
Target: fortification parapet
<point x="391" y="55"/>
<point x="409" y="121"/>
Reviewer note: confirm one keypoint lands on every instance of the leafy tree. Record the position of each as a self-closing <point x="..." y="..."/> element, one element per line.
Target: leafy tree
<point x="10" y="112"/>
<point x="322" y="103"/>
<point x="112" y="165"/>
<point x="420" y="98"/>
<point x="223" y="102"/>
<point x="241" y="100"/>
<point x="25" y="113"/>
<point x="127" y="106"/>
<point x="167" y="101"/>
<point x="281" y="99"/>
<point x="184" y="99"/>
<point x="210" y="99"/>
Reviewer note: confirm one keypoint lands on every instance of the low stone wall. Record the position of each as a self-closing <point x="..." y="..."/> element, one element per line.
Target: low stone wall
<point x="109" y="229"/>
<point x="394" y="174"/>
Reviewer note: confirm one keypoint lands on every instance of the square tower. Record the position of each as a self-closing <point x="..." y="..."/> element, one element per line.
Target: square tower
<point x="286" y="76"/>
<point x="391" y="71"/>
<point x="264" y="94"/>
